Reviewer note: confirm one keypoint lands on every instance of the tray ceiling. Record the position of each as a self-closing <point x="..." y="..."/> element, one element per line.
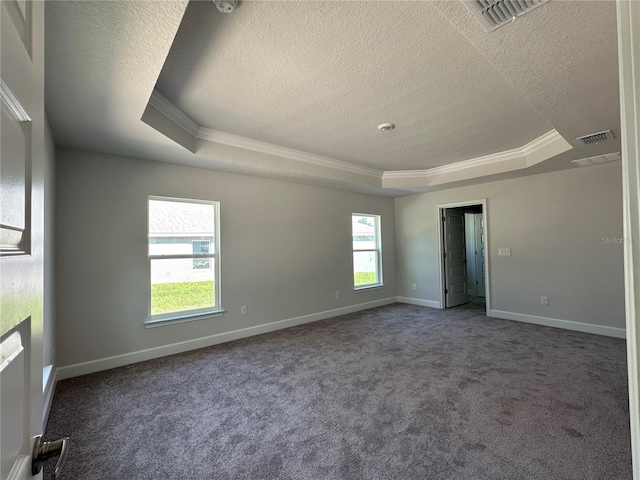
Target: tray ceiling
<point x="295" y="90"/>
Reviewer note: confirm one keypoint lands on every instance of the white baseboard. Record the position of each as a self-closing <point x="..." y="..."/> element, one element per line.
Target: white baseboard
<point x="419" y="301"/>
<point x="565" y="324"/>
<point x="98" y="365"/>
<point x="47" y="392"/>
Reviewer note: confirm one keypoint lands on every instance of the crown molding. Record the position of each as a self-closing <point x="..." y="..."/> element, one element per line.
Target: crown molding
<point x="271" y="149"/>
<point x="536" y="151"/>
<point x="516" y="155"/>
<point x="12" y="103"/>
<point x="173" y="113"/>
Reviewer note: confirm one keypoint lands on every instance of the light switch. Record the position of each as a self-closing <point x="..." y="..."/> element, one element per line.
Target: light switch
<point x="504" y="252"/>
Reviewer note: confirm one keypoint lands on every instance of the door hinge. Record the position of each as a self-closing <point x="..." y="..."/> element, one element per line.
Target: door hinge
<point x="445" y="254"/>
<point x="476" y="282"/>
<point x="444" y="219"/>
<point x="446" y="291"/>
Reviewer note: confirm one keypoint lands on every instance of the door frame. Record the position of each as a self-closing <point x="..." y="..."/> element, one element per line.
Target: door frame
<point x="475" y="244"/>
<point x="628" y="63"/>
<point x="440" y="213"/>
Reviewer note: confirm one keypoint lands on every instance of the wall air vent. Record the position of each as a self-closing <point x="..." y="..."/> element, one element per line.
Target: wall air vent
<point x="496" y="13"/>
<point x="585" y="162"/>
<point x="596" y="138"/>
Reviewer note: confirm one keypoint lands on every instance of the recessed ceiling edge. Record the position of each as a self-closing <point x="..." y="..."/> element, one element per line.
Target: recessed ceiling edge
<point x="542" y="148"/>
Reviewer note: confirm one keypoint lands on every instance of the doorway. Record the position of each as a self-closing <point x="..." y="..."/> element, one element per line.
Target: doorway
<point x="475" y="248"/>
<point x="464" y="255"/>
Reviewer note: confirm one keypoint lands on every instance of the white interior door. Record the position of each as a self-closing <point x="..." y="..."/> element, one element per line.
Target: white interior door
<point x="479" y="256"/>
<point x="21" y="235"/>
<point x="455" y="258"/>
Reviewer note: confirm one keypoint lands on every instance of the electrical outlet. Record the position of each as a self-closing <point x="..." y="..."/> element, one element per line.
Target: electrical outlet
<point x="544" y="300"/>
<point x="243" y="310"/>
<point x="337" y="294"/>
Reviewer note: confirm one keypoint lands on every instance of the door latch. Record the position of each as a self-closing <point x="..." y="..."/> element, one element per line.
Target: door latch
<point x="42" y="451"/>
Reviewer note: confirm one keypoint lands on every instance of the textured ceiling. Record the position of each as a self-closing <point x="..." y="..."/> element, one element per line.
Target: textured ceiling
<point x="319" y="77"/>
<point x="564" y="61"/>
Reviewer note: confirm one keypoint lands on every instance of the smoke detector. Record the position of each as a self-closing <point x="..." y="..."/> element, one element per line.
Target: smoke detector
<point x="386" y="127"/>
<point x="493" y="14"/>
<point x="226" y="6"/>
<point x="595" y="138"/>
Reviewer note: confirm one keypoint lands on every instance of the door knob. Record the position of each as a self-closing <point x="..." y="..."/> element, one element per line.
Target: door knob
<point x="43" y="451"/>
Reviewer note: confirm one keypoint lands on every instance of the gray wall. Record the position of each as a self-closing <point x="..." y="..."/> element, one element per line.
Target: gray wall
<point x="554" y="224"/>
<point x="285" y="251"/>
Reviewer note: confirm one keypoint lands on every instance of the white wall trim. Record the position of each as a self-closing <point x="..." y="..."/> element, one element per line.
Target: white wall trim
<point x="505" y="156"/>
<point x="420" y="301"/>
<point x="628" y="18"/>
<point x="546" y="146"/>
<point x="173" y="113"/>
<point x="48" y="391"/>
<point x="271" y="149"/>
<point x="558" y="323"/>
<point x="100" y="364"/>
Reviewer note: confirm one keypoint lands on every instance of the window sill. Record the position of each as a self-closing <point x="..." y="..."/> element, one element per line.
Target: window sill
<point x="161" y="322"/>
<point x="368" y="287"/>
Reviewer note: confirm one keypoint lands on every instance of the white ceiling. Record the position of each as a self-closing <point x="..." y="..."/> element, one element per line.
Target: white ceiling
<point x="295" y="90"/>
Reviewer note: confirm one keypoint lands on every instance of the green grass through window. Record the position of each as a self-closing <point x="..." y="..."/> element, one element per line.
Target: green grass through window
<point x="176" y="297"/>
<point x="364" y="278"/>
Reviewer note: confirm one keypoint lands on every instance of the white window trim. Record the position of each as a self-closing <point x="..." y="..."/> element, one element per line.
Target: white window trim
<point x="193" y="314"/>
<point x="161" y="322"/>
<point x="378" y="249"/>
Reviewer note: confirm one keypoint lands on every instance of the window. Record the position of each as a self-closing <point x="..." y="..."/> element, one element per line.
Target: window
<point x="200" y="247"/>
<point x="184" y="258"/>
<point x="367" y="252"/>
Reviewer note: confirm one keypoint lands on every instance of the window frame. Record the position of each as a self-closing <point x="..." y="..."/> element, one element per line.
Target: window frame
<point x="195" y="313"/>
<point x="378" y="250"/>
<point x="200" y="256"/>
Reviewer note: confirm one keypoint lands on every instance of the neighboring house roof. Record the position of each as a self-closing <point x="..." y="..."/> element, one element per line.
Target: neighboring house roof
<point x="166" y="217"/>
<point x="362" y="228"/>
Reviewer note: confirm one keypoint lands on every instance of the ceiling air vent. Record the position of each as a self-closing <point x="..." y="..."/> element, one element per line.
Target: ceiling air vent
<point x="596" y="138"/>
<point x="493" y="14"/>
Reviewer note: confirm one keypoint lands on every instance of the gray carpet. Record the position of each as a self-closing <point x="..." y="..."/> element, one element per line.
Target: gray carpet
<point x="397" y="392"/>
